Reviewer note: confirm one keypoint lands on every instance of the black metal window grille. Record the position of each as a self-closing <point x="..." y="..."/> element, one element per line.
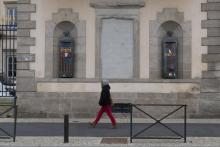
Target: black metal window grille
<point x="11" y="66"/>
<point x="8" y="107"/>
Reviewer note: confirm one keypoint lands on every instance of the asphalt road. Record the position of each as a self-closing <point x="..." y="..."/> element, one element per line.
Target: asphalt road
<point x="105" y="130"/>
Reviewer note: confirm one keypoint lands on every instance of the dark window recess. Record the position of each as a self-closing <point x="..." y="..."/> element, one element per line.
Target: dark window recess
<point x="66" y="65"/>
<point x="169" y="57"/>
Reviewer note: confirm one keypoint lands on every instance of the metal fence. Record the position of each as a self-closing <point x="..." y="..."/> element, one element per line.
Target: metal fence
<point x="158" y="121"/>
<point x="144" y="131"/>
<point x="8" y="107"/>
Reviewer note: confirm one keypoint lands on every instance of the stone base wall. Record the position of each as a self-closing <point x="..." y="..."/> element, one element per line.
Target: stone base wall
<point x="85" y="105"/>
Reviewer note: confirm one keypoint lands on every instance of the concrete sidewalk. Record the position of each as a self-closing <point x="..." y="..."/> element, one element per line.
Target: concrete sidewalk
<point x="103" y="131"/>
<point x="96" y="142"/>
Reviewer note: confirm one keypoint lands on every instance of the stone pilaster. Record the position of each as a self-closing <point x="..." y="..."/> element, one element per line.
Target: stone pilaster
<point x="25" y="76"/>
<point x="210" y="84"/>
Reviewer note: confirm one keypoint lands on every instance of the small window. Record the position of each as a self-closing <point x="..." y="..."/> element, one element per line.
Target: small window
<point x="11" y="13"/>
<point x="11" y="67"/>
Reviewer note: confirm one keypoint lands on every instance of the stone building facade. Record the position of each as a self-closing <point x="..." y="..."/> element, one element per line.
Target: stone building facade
<point x="118" y="40"/>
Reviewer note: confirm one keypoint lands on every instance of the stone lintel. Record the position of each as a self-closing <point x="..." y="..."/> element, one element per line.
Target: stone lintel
<point x="117" y="3"/>
<point x="25" y="57"/>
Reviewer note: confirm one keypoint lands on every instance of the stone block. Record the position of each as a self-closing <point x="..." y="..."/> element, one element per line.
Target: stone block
<point x="213" y="66"/>
<point x="25" y="57"/>
<point x="211" y="41"/>
<point x="210" y="96"/>
<point x="210" y="85"/>
<point x="210" y="23"/>
<point x="204" y="6"/>
<point x="26" y="41"/>
<point x="23" y="33"/>
<point x="23" y="66"/>
<point x="25" y="73"/>
<point x="23" y="16"/>
<point x="213" y="49"/>
<point x="211" y="6"/>
<point x="25" y="84"/>
<point x="213" y="32"/>
<point x="26" y="25"/>
<point x="209" y="108"/>
<point x="116" y="3"/>
<point x="213" y="14"/>
<point x="23" y="49"/>
<point x="211" y="74"/>
<point x="206" y="58"/>
<point x="213" y="1"/>
<point x="26" y="8"/>
<point x="24" y="1"/>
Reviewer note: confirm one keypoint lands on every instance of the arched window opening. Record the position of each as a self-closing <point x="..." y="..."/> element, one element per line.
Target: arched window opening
<point x="64" y="54"/>
<point x="171" y="40"/>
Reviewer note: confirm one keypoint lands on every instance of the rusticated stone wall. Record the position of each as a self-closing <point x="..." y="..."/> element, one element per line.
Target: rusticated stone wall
<point x="210" y="83"/>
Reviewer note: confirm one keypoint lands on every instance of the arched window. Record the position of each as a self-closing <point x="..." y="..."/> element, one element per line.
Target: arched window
<point x="64" y="54"/>
<point x="170" y="19"/>
<point x="171" y="40"/>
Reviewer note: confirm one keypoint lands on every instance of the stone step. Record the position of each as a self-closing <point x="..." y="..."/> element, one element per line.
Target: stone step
<point x="211" y="74"/>
<point x="206" y="58"/>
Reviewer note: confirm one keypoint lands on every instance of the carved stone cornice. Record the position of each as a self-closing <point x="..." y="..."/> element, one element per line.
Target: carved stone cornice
<point x="117" y="3"/>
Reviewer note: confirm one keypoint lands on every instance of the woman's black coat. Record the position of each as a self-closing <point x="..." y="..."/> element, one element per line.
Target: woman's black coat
<point x="105" y="97"/>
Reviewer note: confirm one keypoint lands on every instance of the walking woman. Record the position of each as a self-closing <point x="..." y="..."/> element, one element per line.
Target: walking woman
<point x="105" y="102"/>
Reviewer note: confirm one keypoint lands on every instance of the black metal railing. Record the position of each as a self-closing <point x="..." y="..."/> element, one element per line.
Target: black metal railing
<point x="8" y="98"/>
<point x="177" y="135"/>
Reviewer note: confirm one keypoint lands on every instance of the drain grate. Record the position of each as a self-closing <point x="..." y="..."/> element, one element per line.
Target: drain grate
<point x="106" y="140"/>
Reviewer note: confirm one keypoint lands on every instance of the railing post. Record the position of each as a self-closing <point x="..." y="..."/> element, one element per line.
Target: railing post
<point x="131" y="123"/>
<point x="66" y="128"/>
<point x="185" y="124"/>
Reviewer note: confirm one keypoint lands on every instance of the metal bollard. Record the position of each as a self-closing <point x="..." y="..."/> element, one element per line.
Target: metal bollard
<point x="66" y="128"/>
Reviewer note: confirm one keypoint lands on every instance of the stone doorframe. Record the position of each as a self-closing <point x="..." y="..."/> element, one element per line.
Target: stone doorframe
<point x="65" y="14"/>
<point x="170" y="14"/>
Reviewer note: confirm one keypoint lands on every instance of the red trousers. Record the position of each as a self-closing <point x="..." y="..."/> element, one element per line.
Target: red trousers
<point x="108" y="110"/>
